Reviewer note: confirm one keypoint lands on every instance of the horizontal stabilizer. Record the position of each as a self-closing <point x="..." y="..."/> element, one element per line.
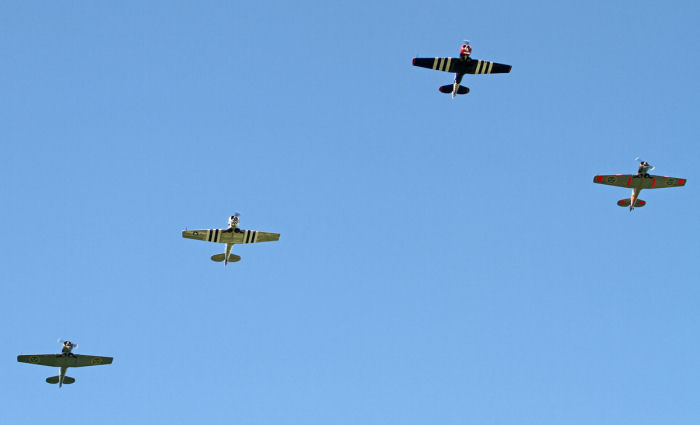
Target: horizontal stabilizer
<point x="54" y="380"/>
<point x="232" y="258"/>
<point x="627" y="202"/>
<point x="449" y="87"/>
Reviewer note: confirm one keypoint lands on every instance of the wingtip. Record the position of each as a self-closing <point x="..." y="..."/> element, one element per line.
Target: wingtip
<point x="413" y="61"/>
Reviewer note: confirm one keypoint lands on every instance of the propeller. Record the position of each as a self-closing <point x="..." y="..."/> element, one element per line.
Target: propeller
<point x="650" y="169"/>
<point x="61" y="341"/>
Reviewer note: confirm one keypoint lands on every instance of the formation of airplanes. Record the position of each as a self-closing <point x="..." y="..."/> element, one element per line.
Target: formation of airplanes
<point x="233" y="234"/>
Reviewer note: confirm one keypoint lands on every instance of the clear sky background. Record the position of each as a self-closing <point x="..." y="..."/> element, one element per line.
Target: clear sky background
<point x="441" y="261"/>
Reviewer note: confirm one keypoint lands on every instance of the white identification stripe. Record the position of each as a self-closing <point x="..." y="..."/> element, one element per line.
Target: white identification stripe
<point x="490" y="67"/>
<point x="478" y="65"/>
<point x="442" y="62"/>
<point x="255" y="236"/>
<point x="447" y="65"/>
<point x="435" y="62"/>
<point x="218" y="235"/>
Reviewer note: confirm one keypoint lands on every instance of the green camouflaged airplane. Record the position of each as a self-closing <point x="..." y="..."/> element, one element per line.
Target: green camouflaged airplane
<point x="230" y="236"/>
<point x="64" y="360"/>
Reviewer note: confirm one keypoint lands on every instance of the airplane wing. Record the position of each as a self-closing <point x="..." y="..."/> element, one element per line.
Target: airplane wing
<point x="222" y="236"/>
<point x="253" y="236"/>
<point x="660" y="182"/>
<point x="635" y="181"/>
<point x="59" y="360"/>
<point x="461" y="66"/>
<point x="621" y="180"/>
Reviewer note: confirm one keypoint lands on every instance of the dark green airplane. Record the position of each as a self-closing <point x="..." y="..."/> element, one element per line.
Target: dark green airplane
<point x="64" y="360"/>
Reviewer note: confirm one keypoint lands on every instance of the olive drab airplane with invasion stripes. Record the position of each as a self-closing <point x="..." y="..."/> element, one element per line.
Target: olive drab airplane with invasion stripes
<point x="637" y="182"/>
<point x="230" y="236"/>
<point x="460" y="66"/>
<point x="64" y="360"/>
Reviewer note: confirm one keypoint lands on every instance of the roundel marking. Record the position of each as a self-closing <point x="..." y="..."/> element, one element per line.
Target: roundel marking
<point x="96" y="360"/>
<point x="195" y="233"/>
<point x="34" y="359"/>
<point x="670" y="182"/>
<point x="611" y="179"/>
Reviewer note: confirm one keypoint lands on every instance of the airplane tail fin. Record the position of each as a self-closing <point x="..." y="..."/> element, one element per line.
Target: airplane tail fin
<point x="54" y="380"/>
<point x="627" y="202"/>
<point x="448" y="89"/>
<point x="232" y="258"/>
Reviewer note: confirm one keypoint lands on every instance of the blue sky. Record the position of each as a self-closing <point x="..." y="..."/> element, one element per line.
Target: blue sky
<point x="440" y="261"/>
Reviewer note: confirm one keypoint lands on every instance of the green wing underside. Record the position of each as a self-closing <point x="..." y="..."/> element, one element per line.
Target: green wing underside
<point x="462" y="66"/>
<point x="634" y="181"/>
<point x="60" y="360"/>
<point x="222" y="236"/>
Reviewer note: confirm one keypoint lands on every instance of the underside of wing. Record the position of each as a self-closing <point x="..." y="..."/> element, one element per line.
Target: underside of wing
<point x="200" y="235"/>
<point x="620" y="180"/>
<point x="462" y="66"/>
<point x="438" y="64"/>
<point x="62" y="360"/>
<point x="639" y="181"/>
<point x="253" y="236"/>
<point x="475" y="66"/>
<point x="241" y="236"/>
<point x="40" y="359"/>
<point x="660" y="182"/>
<point x="80" y="360"/>
<point x="238" y="236"/>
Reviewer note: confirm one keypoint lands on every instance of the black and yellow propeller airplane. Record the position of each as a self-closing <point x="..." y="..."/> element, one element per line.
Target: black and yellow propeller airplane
<point x="460" y="66"/>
